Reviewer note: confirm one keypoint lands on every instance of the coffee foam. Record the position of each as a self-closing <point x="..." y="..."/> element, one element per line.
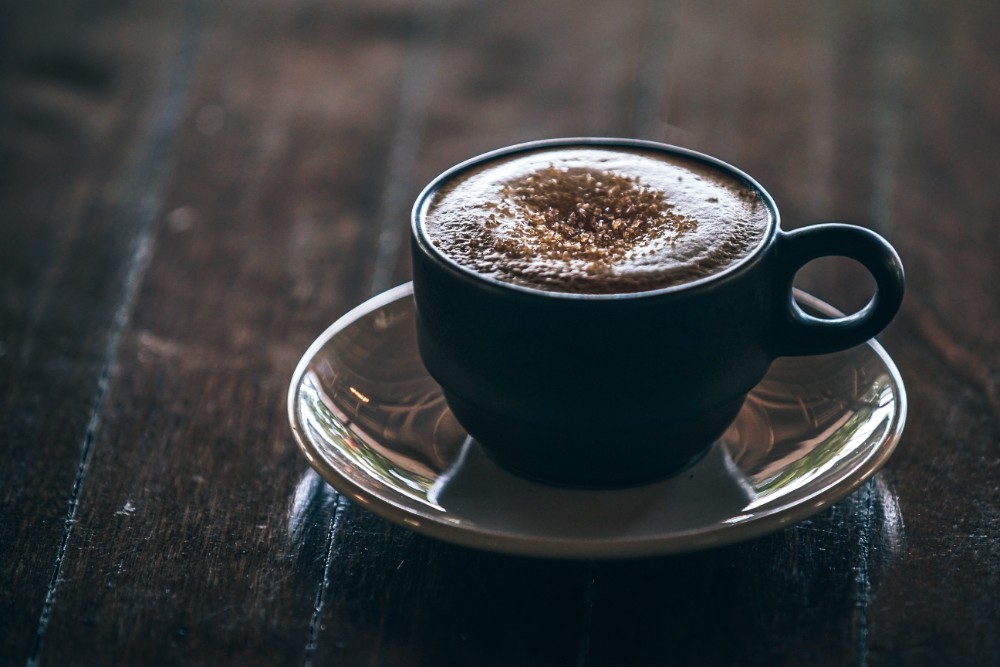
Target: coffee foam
<point x="594" y="220"/>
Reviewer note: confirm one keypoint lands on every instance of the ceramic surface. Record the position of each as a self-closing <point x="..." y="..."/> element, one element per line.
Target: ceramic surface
<point x="372" y="422"/>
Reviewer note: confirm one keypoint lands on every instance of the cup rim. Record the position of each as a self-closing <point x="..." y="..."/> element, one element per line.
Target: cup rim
<point x="422" y="203"/>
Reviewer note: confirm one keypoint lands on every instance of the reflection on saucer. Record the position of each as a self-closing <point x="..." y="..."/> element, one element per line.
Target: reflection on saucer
<point x="373" y="423"/>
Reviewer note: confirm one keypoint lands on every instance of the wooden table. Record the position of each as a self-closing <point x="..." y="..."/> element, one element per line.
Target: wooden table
<point x="190" y="192"/>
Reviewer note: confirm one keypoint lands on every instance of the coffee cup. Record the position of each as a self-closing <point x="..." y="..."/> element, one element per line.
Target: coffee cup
<point x="613" y="348"/>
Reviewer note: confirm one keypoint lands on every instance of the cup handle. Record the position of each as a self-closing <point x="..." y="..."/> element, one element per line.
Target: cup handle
<point x="798" y="333"/>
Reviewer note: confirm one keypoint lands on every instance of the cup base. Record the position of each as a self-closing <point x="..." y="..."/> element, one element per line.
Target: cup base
<point x="592" y="457"/>
<point x="600" y="481"/>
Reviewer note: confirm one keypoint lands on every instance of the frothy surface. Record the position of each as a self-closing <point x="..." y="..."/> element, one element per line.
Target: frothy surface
<point x="596" y="220"/>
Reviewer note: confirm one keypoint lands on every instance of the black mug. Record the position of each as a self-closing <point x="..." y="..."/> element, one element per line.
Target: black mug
<point x="616" y="389"/>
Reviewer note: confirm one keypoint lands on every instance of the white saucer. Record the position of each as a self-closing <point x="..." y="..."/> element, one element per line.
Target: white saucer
<point x="373" y="423"/>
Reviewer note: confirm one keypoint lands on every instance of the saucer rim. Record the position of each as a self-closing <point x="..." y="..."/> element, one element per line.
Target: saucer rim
<point x="766" y="519"/>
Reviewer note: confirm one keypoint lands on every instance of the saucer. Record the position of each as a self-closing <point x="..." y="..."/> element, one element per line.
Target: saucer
<point x="373" y="424"/>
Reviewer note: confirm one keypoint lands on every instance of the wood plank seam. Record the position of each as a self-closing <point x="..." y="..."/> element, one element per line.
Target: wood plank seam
<point x="419" y="72"/>
<point x="862" y="577"/>
<point x="887" y="125"/>
<point x="417" y="82"/>
<point x="314" y="622"/>
<point x="887" y="129"/>
<point x="141" y="199"/>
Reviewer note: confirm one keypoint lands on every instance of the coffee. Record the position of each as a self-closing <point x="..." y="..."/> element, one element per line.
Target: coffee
<point x="596" y="220"/>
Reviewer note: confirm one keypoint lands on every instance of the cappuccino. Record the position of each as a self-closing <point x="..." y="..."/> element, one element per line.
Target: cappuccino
<point x="596" y="220"/>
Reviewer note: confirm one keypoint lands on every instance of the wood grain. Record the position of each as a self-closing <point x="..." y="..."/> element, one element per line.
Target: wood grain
<point x="200" y="535"/>
<point x="190" y="193"/>
<point x="80" y="168"/>
<point x="938" y="603"/>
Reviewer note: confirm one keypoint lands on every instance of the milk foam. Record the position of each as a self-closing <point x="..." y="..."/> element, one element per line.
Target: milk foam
<point x="688" y="220"/>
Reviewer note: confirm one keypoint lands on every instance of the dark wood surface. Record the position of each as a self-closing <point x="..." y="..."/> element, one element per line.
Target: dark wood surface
<point x="191" y="191"/>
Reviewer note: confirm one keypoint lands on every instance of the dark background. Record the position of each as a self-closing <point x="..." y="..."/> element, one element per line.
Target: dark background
<point x="190" y="192"/>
